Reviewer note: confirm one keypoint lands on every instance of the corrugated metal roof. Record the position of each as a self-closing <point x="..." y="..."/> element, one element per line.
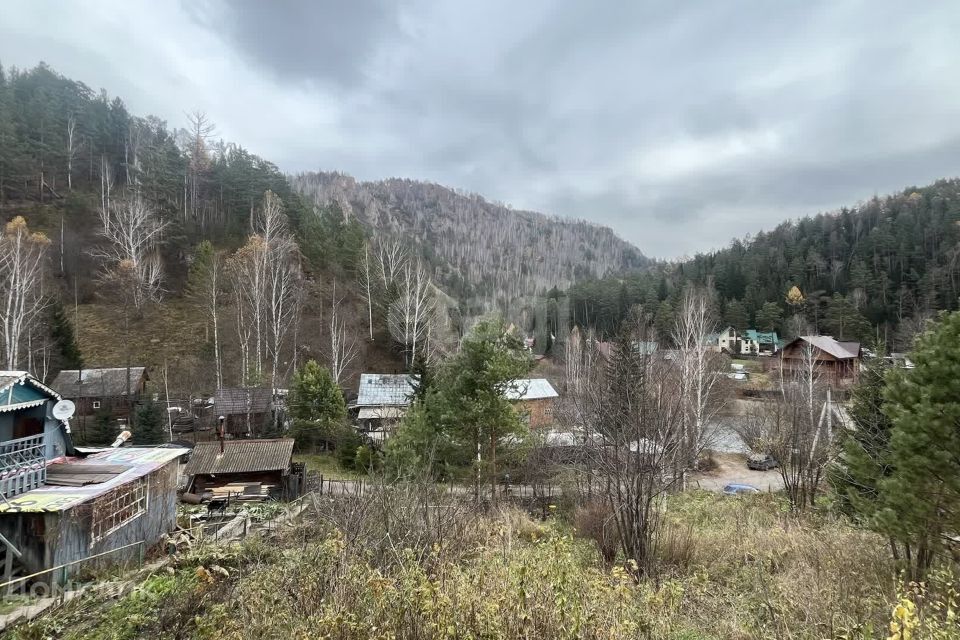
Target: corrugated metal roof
<point x="530" y="389"/>
<point x="241" y="400"/>
<point x="139" y="461"/>
<point x="240" y="456"/>
<point x="97" y="383"/>
<point x="380" y="389"/>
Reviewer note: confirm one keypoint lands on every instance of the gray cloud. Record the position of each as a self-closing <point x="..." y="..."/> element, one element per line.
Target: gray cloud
<point x="681" y="125"/>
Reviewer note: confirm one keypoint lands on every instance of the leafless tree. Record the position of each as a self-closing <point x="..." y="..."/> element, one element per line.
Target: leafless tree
<point x="391" y="257"/>
<point x="343" y="345"/>
<point x="133" y="231"/>
<point x="266" y="276"/>
<point x="106" y="187"/>
<point x="201" y="129"/>
<point x="412" y="313"/>
<point x="73" y="147"/>
<point x="22" y="267"/>
<point x="207" y="289"/>
<point x="629" y="402"/>
<point x="367" y="280"/>
<point x="701" y="372"/>
<point x="796" y="428"/>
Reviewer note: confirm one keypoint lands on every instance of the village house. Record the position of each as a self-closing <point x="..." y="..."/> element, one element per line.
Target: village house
<point x="113" y="390"/>
<point x="382" y="401"/>
<point x="245" y="469"/>
<point x="535" y="399"/>
<point x="749" y="342"/>
<point x="837" y="363"/>
<point x="247" y="411"/>
<point x="58" y="508"/>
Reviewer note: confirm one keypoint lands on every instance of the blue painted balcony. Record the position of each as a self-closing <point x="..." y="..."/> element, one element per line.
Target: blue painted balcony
<point x="23" y="465"/>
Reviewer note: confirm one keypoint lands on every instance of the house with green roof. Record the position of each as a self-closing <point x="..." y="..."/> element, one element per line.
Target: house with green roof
<point x="749" y="342"/>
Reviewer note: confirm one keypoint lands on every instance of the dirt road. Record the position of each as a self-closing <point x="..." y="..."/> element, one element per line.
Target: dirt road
<point x="732" y="469"/>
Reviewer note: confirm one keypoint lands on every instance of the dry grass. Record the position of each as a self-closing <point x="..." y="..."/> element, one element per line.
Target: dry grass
<point x="393" y="567"/>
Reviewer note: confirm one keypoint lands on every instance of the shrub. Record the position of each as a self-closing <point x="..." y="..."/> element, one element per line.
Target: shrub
<point x="594" y="521"/>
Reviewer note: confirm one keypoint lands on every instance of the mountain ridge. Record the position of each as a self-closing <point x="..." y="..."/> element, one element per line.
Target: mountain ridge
<point x="466" y="237"/>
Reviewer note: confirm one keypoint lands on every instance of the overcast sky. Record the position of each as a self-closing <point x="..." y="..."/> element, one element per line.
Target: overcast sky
<point x="679" y="124"/>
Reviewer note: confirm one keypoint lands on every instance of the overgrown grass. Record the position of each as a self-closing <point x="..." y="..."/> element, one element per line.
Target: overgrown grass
<point x="327" y="464"/>
<point x="733" y="568"/>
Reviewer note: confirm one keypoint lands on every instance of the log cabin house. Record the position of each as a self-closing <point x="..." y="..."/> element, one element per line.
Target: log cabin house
<point x="836" y="362"/>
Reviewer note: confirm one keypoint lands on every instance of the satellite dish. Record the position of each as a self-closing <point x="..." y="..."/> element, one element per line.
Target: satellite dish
<point x="64" y="410"/>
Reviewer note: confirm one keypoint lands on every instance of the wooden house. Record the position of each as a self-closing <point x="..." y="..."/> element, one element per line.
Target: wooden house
<point x="245" y="469"/>
<point x="535" y="399"/>
<point x="838" y="363"/>
<point x="94" y="390"/>
<point x="382" y="401"/>
<point x="247" y="411"/>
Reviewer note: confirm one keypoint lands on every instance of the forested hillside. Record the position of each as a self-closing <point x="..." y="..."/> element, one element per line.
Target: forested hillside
<point x="879" y="269"/>
<point x="163" y="246"/>
<point x="485" y="254"/>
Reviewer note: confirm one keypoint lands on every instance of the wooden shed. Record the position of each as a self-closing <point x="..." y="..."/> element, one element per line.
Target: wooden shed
<point x="87" y="506"/>
<point x="245" y="467"/>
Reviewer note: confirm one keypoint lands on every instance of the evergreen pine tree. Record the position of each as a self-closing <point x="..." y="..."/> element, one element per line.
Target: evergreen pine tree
<point x="103" y="431"/>
<point x="865" y="449"/>
<point x="316" y="405"/>
<point x="921" y="497"/>
<point x="61" y="330"/>
<point x="148" y="425"/>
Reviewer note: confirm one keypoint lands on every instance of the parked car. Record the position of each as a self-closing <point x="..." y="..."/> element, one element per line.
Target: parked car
<point x="762" y="462"/>
<point x="739" y="489"/>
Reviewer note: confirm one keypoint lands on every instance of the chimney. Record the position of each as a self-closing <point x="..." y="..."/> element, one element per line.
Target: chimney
<point x="222" y="419"/>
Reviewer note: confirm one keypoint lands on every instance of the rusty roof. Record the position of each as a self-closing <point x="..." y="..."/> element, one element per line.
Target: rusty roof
<point x="240" y="456"/>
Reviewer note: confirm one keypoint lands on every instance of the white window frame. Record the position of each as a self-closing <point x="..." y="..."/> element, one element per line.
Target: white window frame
<point x="119" y="507"/>
<point x="95" y="404"/>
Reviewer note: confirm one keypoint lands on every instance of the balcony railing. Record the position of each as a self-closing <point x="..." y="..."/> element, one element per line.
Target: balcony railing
<point x="23" y="465"/>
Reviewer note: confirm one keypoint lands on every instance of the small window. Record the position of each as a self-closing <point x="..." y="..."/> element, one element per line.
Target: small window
<point x="96" y="404"/>
<point x="116" y="509"/>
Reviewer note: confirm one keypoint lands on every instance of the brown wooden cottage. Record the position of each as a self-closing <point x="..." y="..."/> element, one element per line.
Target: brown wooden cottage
<point x="113" y="389"/>
<point x="836" y="362"/>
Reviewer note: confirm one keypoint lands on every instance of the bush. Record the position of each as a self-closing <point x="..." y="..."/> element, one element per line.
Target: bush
<point x="594" y="521"/>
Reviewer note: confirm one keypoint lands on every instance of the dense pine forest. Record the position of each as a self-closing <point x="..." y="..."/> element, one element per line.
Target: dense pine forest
<point x="874" y="271"/>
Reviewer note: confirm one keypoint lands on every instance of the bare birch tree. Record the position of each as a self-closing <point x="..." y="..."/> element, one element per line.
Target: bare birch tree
<point x="343" y="345"/>
<point x="106" y="187"/>
<point x="391" y="257"/>
<point x="133" y="231"/>
<point x="700" y="372"/>
<point x="73" y="147"/>
<point x="367" y="280"/>
<point x="22" y="267"/>
<point x="265" y="276"/>
<point x="412" y="313"/>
